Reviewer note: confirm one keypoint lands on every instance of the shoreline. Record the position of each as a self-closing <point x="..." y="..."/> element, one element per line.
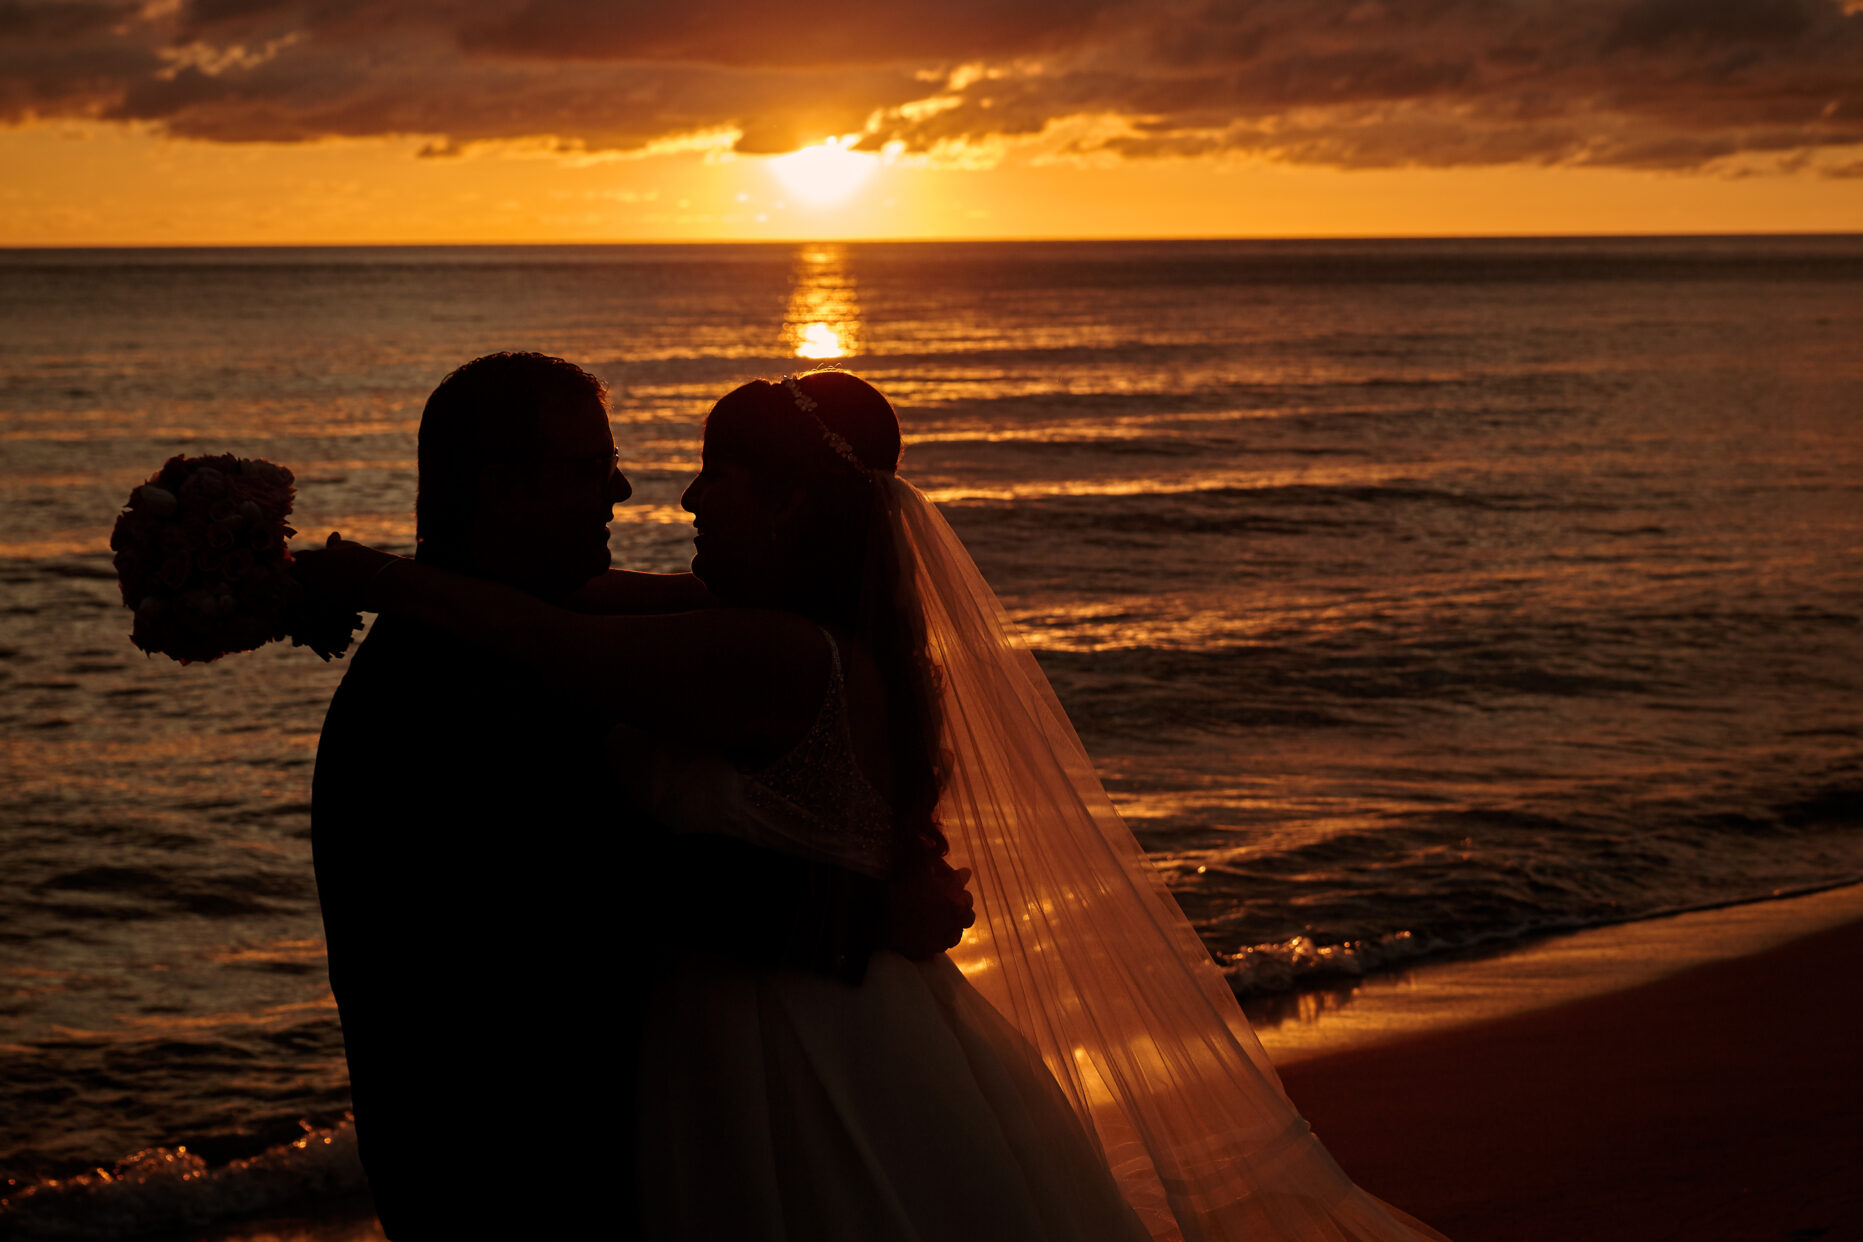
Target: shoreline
<point x="1688" y="1077"/>
<point x="1442" y="995"/>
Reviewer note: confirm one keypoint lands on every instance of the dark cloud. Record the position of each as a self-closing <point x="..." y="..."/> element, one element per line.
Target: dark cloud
<point x="823" y="34"/>
<point x="1637" y="83"/>
<point x="51" y="22"/>
<point x="317" y="94"/>
<point x="67" y="59"/>
<point x="1653" y="83"/>
<point x="1655" y="23"/>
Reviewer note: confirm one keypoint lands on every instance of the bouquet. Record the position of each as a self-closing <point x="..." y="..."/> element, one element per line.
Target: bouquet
<point x="201" y="558"/>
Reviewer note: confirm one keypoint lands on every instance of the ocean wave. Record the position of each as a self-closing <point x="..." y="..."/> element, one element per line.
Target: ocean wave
<point x="167" y="1189"/>
<point x="1212" y="503"/>
<point x="1834" y="809"/>
<point x="1203" y="680"/>
<point x="1301" y="962"/>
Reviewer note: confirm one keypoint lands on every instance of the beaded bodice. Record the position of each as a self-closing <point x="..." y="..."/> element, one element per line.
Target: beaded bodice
<point x="817" y="794"/>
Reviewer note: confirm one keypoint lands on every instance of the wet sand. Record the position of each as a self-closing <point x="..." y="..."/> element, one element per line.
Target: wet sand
<point x="1723" y="1102"/>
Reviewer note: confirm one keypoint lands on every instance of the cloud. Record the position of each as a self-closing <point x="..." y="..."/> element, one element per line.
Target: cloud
<point x="825" y="34"/>
<point x="1361" y="83"/>
<point x="1670" y="84"/>
<point x="1729" y="23"/>
<point x="67" y="59"/>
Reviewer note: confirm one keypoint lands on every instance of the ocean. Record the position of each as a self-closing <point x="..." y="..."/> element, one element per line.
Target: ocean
<point x="1411" y="596"/>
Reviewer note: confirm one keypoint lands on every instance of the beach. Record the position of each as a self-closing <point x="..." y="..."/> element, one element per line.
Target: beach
<point x="1716" y="1100"/>
<point x="1724" y="1101"/>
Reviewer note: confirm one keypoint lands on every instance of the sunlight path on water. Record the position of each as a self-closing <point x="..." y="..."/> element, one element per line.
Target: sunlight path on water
<point x="823" y="320"/>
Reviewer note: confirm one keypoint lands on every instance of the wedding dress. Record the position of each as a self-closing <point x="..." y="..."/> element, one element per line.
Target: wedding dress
<point x="785" y="1105"/>
<point x="1078" y="1068"/>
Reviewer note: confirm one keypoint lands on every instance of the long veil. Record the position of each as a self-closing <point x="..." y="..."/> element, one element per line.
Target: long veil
<point x="1082" y="949"/>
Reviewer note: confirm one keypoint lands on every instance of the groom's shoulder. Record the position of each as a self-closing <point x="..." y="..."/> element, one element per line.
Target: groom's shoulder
<point x="408" y="677"/>
<point x="401" y="659"/>
<point x="399" y="683"/>
<point x="397" y="647"/>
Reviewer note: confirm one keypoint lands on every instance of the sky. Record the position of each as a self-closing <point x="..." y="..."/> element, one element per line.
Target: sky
<point x="141" y="122"/>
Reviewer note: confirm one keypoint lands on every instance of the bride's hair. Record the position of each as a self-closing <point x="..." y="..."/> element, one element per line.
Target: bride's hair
<point x="833" y="438"/>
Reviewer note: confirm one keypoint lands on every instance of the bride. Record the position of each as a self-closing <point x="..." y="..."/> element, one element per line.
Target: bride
<point x="1076" y="1068"/>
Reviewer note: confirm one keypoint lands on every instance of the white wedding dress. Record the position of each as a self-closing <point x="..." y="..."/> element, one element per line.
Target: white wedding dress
<point x="784" y="1105"/>
<point x="1078" y="1068"/>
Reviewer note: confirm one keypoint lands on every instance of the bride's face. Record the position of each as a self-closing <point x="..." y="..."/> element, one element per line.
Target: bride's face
<point x="739" y="552"/>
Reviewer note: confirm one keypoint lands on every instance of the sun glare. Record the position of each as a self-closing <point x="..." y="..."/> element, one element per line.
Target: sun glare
<point x="819" y="340"/>
<point x="826" y="173"/>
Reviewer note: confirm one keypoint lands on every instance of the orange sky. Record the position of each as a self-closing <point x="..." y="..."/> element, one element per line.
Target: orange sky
<point x="283" y="121"/>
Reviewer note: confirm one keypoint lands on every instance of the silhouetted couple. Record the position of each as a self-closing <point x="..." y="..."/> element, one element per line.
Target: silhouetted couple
<point x="635" y="884"/>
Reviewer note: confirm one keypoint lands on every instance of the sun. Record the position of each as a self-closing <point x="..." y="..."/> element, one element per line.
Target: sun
<point x="825" y="174"/>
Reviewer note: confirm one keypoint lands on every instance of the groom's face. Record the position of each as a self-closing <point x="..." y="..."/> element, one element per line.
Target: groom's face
<point x="543" y="514"/>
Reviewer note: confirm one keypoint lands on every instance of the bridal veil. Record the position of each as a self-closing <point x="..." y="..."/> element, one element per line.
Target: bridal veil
<point x="1081" y="947"/>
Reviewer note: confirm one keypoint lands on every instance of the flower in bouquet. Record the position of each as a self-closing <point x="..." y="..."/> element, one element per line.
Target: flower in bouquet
<point x="201" y="558"/>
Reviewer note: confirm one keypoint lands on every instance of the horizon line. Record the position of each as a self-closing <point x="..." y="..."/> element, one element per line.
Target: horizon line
<point x="933" y="241"/>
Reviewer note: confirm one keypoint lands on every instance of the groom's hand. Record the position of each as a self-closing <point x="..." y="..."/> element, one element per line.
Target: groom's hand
<point x="927" y="912"/>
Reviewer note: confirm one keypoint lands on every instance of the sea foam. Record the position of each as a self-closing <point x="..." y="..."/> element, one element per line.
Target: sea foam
<point x="166" y="1189"/>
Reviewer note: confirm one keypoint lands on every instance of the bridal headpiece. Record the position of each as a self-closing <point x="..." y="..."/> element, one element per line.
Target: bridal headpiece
<point x="808" y="405"/>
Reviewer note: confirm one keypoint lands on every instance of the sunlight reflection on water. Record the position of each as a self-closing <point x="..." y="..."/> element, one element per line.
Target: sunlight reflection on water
<point x="823" y="319"/>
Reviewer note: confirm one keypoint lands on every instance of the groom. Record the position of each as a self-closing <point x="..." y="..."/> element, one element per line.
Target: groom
<point x="493" y="919"/>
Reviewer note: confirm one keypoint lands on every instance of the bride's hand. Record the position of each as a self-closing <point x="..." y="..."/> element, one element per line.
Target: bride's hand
<point x="341" y="570"/>
<point x="927" y="912"/>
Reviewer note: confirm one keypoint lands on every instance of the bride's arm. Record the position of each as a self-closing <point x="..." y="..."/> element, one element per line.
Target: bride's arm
<point x="741" y="680"/>
<point x="630" y="591"/>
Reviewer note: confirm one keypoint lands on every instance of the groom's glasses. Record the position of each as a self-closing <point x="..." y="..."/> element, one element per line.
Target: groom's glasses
<point x="597" y="466"/>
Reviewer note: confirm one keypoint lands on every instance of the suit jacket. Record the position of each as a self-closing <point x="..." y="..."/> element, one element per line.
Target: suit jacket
<point x="494" y="922"/>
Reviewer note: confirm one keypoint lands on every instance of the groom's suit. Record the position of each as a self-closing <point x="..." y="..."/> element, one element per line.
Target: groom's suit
<point x="494" y="922"/>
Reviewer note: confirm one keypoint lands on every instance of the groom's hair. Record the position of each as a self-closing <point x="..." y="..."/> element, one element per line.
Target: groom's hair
<point x="482" y="416"/>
